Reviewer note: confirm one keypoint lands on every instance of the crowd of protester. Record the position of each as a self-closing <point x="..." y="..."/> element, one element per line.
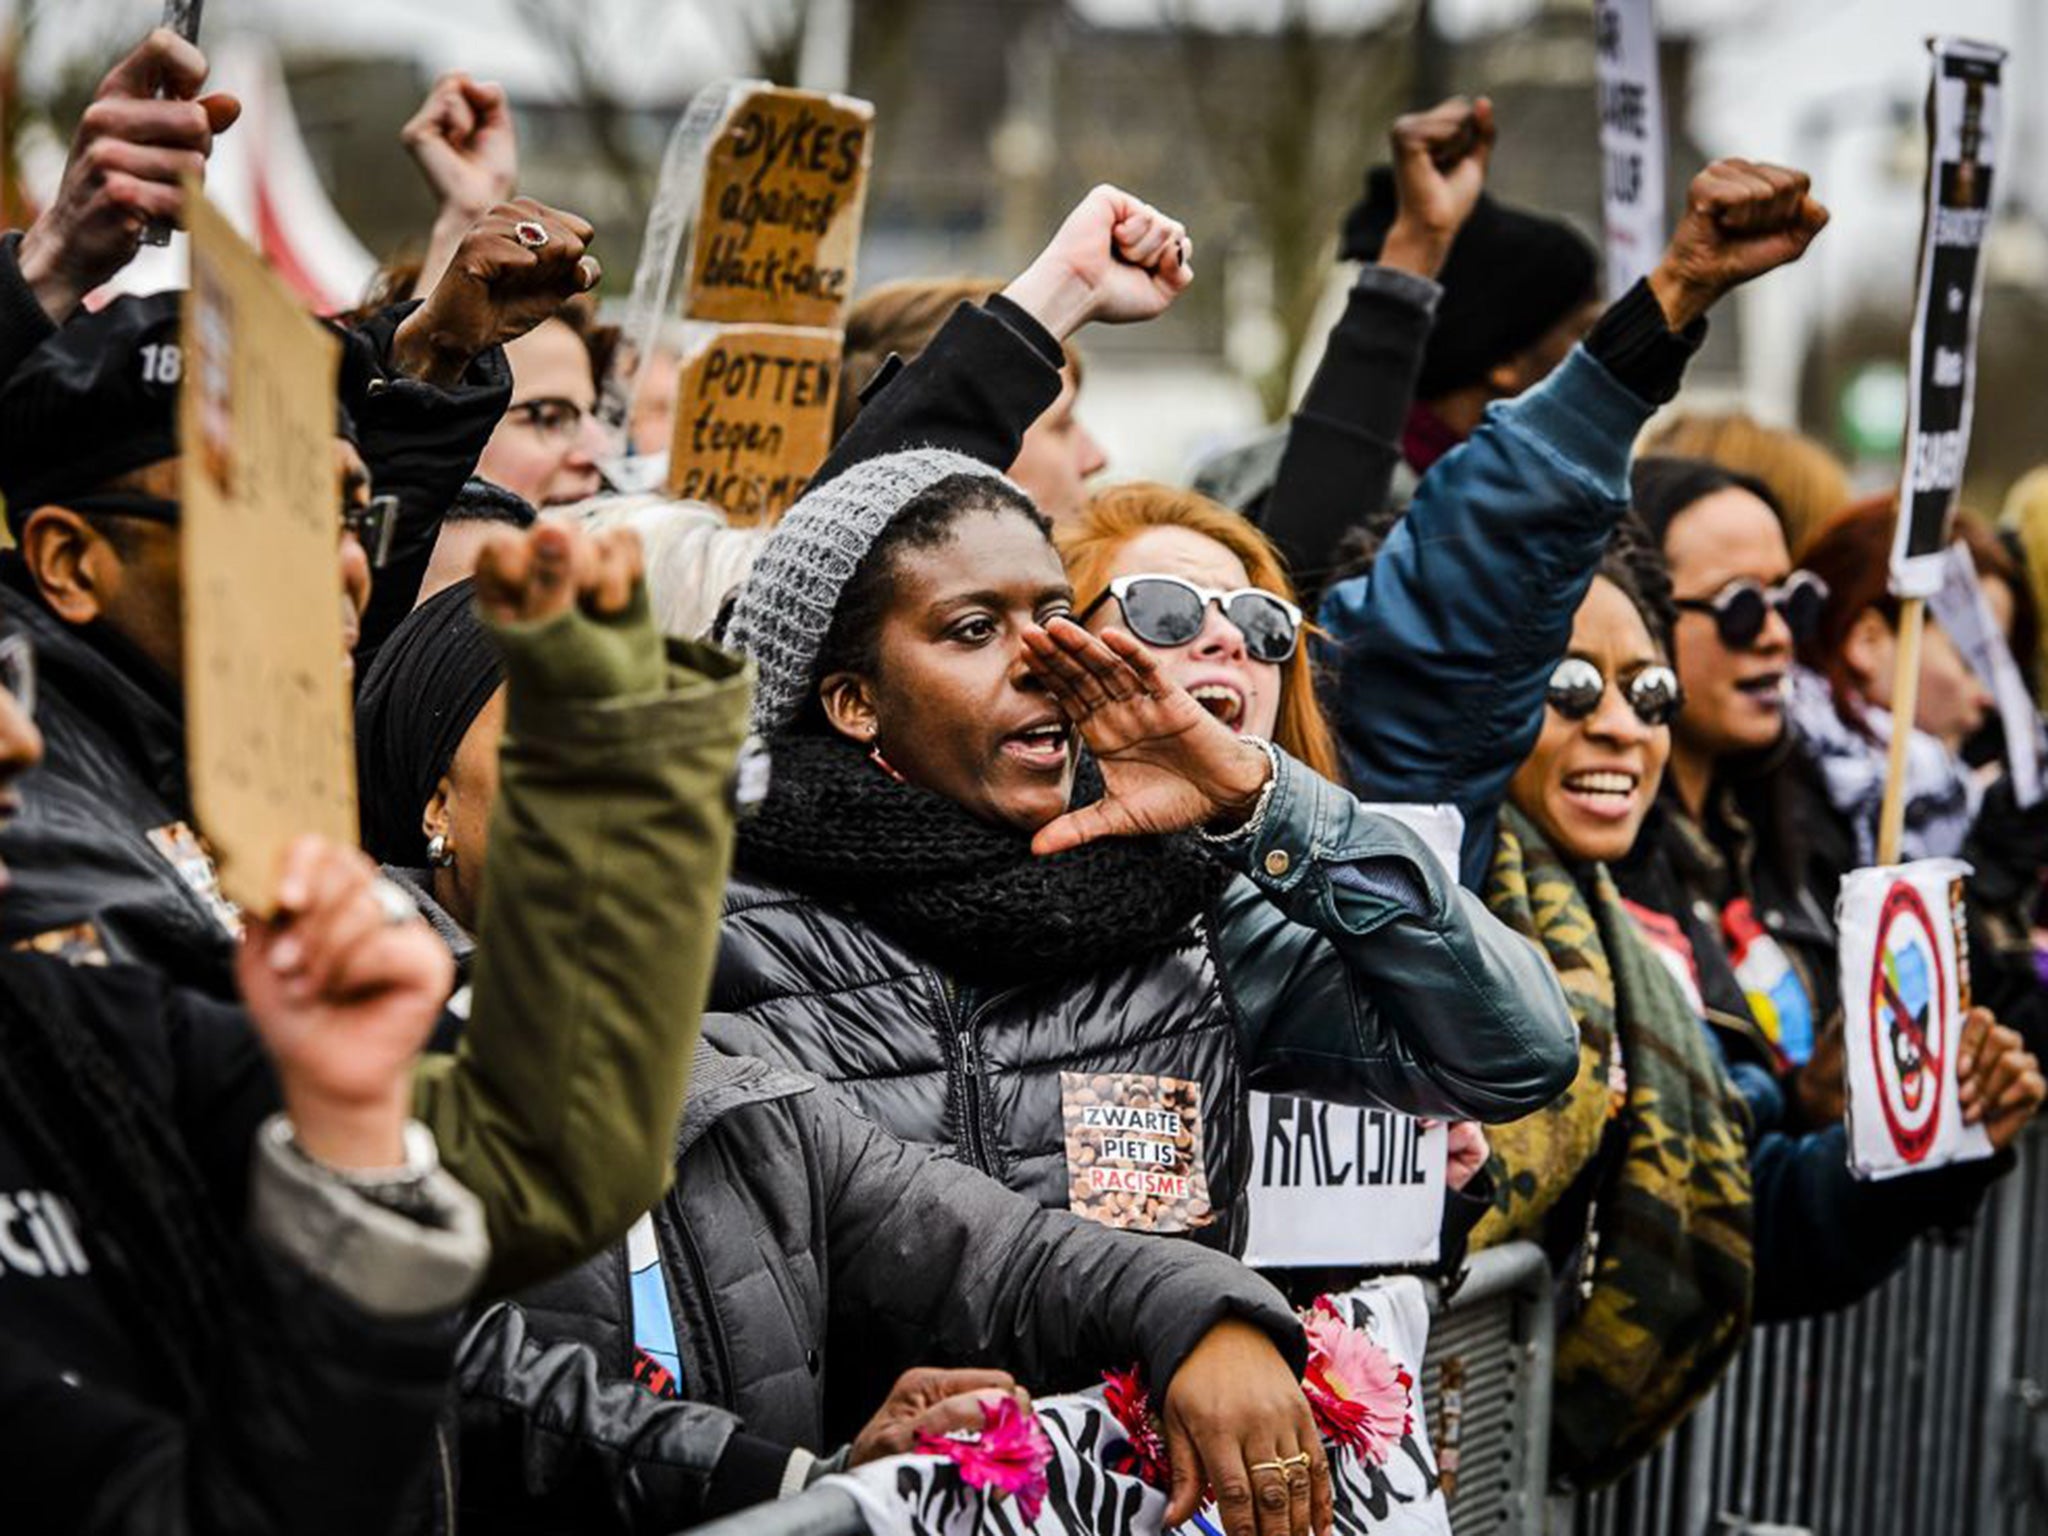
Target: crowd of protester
<point x="615" y="1139"/>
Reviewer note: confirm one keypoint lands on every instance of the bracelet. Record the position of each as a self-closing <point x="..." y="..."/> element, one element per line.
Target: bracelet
<point x="1257" y="819"/>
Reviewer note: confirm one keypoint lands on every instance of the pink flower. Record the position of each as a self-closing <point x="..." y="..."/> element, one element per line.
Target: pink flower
<point x="1009" y="1454"/>
<point x="1361" y="1397"/>
<point x="1127" y="1398"/>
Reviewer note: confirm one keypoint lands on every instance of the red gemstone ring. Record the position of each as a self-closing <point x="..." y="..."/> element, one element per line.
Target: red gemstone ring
<point x="530" y="233"/>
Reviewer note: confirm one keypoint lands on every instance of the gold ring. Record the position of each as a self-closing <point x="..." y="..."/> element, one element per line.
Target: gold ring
<point x="1299" y="1460"/>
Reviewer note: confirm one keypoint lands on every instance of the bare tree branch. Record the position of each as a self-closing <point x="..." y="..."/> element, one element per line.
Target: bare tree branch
<point x="1287" y="142"/>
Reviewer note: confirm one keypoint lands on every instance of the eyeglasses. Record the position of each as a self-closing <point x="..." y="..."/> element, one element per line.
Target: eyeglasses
<point x="1740" y="608"/>
<point x="550" y="417"/>
<point x="1577" y="687"/>
<point x="1168" y="611"/>
<point x="18" y="670"/>
<point x="373" y="522"/>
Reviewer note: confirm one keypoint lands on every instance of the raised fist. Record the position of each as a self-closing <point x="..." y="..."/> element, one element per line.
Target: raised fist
<point x="1114" y="259"/>
<point x="463" y="141"/>
<point x="1440" y="160"/>
<point x="516" y="267"/>
<point x="1741" y="220"/>
<point x="531" y="576"/>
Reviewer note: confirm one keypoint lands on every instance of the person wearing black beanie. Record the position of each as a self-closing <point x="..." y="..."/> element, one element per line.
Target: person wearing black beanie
<point x="1519" y="291"/>
<point x="1424" y="347"/>
<point x="426" y="770"/>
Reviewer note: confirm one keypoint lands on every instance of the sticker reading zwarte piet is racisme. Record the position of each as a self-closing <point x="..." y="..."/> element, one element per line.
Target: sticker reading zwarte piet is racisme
<point x="1134" y="1151"/>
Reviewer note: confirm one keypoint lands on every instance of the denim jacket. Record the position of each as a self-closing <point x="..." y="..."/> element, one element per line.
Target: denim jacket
<point x="1353" y="959"/>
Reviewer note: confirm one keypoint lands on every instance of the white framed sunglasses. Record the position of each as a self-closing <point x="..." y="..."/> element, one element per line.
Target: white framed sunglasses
<point x="1169" y="611"/>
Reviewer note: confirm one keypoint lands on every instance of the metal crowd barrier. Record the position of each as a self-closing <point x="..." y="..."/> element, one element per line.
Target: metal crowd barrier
<point x="1916" y="1413"/>
<point x="1921" y="1412"/>
<point x="1486" y="1388"/>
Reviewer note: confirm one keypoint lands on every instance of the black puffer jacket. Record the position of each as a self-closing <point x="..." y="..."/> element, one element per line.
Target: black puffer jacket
<point x="976" y="1075"/>
<point x="810" y="1259"/>
<point x="1343" y="965"/>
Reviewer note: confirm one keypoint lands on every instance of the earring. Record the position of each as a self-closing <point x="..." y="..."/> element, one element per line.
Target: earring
<point x="439" y="854"/>
<point x="881" y="762"/>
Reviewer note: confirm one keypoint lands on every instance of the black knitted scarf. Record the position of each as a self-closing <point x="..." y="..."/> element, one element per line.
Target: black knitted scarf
<point x="966" y="894"/>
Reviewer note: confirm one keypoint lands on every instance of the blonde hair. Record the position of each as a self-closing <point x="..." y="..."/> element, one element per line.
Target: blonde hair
<point x="902" y="318"/>
<point x="1809" y="482"/>
<point x="1089" y="546"/>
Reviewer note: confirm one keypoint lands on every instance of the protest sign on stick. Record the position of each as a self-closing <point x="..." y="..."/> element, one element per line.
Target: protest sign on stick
<point x="1631" y="139"/>
<point x="754" y="418"/>
<point x="267" y="720"/>
<point x="1963" y="110"/>
<point x="1905" y="961"/>
<point x="765" y="187"/>
<point x="778" y="221"/>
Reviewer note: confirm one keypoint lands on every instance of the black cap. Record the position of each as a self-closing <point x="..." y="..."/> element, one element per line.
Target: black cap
<point x="96" y="400"/>
<point x="1511" y="276"/>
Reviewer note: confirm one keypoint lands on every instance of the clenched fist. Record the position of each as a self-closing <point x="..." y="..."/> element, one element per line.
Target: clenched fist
<point x="1440" y="160"/>
<point x="1115" y="259"/>
<point x="515" y="268"/>
<point x="1741" y="220"/>
<point x="126" y="168"/>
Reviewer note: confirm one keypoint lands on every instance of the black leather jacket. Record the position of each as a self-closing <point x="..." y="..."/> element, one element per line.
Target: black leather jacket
<point x="94" y="854"/>
<point x="1343" y="966"/>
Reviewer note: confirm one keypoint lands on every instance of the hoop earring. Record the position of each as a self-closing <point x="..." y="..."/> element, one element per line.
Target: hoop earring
<point x="881" y="762"/>
<point x="439" y="854"/>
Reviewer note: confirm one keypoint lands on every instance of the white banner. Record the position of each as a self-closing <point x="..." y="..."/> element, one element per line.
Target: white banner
<point x="1963" y="112"/>
<point x="1905" y="990"/>
<point x="1631" y="139"/>
<point x="1332" y="1184"/>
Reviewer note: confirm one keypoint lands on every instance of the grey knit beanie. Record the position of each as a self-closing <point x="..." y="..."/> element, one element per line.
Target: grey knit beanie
<point x="785" y="609"/>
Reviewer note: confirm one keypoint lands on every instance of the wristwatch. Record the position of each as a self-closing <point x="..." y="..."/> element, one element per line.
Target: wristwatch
<point x="403" y="1189"/>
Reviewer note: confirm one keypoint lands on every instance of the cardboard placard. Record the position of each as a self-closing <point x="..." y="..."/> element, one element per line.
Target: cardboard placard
<point x="1905" y="992"/>
<point x="778" y="221"/>
<point x="1335" y="1184"/>
<point x="1631" y="139"/>
<point x="753" y="418"/>
<point x="1963" y="113"/>
<point x="267" y="714"/>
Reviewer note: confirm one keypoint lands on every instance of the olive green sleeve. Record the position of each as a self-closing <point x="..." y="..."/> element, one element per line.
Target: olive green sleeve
<point x="610" y="842"/>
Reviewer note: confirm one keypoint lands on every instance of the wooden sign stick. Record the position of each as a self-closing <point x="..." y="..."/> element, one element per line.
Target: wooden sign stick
<point x="1891" y="821"/>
